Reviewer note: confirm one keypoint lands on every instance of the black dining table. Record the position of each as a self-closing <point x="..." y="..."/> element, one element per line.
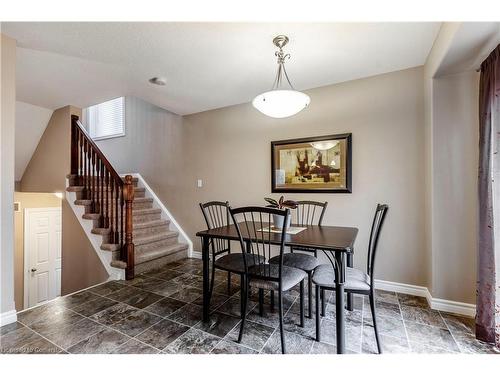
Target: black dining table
<point x="336" y="242"/>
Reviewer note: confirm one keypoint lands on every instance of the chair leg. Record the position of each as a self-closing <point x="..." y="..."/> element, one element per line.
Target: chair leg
<point x="309" y="294"/>
<point x="372" y="306"/>
<point x="282" y="331"/>
<point x="272" y="300"/>
<point x="318" y="320"/>
<point x="229" y="283"/>
<point x="211" y="282"/>
<point x="302" y="303"/>
<point x="244" y="286"/>
<point x="242" y="296"/>
<point x="323" y="303"/>
<point x="261" y="302"/>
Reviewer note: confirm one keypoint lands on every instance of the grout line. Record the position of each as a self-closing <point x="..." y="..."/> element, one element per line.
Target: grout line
<point x="452" y="335"/>
<point x="404" y="323"/>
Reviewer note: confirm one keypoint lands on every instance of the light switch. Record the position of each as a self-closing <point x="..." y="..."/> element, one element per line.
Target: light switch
<point x="200" y="183"/>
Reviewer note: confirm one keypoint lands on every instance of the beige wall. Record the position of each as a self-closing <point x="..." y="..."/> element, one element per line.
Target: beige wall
<point x="454" y="186"/>
<point x="8" y="110"/>
<point x="27" y="200"/>
<point x="46" y="172"/>
<point x="229" y="149"/>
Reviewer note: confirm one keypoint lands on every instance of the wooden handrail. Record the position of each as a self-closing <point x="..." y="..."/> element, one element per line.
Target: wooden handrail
<point x="110" y="195"/>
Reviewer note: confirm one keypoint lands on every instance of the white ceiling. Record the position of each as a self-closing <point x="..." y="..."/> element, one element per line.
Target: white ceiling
<point x="471" y="44"/>
<point x="207" y="65"/>
<point x="31" y="122"/>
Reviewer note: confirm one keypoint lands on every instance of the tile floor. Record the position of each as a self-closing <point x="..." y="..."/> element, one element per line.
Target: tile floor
<point x="160" y="312"/>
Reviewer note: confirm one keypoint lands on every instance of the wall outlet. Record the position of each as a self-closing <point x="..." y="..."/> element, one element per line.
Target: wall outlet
<point x="199" y="183"/>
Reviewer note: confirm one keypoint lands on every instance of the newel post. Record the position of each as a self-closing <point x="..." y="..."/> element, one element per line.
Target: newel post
<point x="74" y="145"/>
<point x="128" y="196"/>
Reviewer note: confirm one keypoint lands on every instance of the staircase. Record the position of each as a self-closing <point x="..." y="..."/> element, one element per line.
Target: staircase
<point x="130" y="228"/>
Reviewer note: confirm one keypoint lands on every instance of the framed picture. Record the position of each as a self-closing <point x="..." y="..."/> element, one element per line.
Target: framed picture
<point x="312" y="165"/>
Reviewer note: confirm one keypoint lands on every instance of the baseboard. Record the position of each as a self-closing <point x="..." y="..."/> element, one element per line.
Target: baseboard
<point x="196" y="254"/>
<point x="8" y="317"/>
<point x="445" y="305"/>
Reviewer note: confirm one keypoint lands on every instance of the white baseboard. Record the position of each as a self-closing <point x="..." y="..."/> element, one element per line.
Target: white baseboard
<point x="455" y="307"/>
<point x="8" y="317"/>
<point x="445" y="305"/>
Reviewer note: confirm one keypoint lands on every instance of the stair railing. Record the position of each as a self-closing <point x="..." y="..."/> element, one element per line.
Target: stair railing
<point x="111" y="196"/>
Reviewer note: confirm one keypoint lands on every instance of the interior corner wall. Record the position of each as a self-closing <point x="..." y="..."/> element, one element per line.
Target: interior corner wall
<point x="438" y="51"/>
<point x="7" y="126"/>
<point x="46" y="172"/>
<point x="454" y="186"/>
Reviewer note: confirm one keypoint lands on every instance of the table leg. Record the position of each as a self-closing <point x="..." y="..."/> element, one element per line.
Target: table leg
<point x="206" y="281"/>
<point x="350" y="304"/>
<point x="339" y="303"/>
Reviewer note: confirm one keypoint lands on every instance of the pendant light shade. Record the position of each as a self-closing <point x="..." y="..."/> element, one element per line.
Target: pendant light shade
<point x="281" y="101"/>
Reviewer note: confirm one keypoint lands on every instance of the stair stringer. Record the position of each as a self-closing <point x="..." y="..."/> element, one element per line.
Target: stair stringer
<point x="95" y="239"/>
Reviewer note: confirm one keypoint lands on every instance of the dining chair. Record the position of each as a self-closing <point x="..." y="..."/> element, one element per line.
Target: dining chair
<point x="217" y="215"/>
<point x="257" y="239"/>
<point x="307" y="213"/>
<point x="356" y="281"/>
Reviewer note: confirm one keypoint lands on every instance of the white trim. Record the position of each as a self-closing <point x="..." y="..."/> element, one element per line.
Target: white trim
<point x="95" y="239"/>
<point x="462" y="308"/>
<point x="196" y="254"/>
<point x="8" y="317"/>
<point x="26" y="254"/>
<point x="165" y="213"/>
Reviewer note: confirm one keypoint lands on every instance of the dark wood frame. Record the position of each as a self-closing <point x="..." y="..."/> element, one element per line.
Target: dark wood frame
<point x="348" y="188"/>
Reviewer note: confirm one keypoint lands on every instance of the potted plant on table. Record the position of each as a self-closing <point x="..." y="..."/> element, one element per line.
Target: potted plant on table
<point x="280" y="204"/>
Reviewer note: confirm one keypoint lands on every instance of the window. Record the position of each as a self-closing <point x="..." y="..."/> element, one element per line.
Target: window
<point x="107" y="120"/>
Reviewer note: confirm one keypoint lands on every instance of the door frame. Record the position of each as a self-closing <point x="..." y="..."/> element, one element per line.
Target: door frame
<point x="26" y="229"/>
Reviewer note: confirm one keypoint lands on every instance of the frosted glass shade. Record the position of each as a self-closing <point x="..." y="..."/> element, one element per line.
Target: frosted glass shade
<point x="281" y="103"/>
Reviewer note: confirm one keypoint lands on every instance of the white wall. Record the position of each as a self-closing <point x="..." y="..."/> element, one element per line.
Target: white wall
<point x="8" y="99"/>
<point x="31" y="122"/>
<point x="152" y="146"/>
<point x="455" y="167"/>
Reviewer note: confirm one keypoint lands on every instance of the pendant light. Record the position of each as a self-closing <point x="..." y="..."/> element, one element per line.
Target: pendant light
<point x="281" y="101"/>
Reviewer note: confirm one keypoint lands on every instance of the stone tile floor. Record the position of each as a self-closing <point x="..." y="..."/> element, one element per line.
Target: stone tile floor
<point x="160" y="312"/>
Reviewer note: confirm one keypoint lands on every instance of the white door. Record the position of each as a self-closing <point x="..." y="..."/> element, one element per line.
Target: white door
<point x="42" y="249"/>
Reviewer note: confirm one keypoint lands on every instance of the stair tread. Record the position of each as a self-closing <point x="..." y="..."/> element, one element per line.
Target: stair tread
<point x="150" y="224"/>
<point x="159" y="252"/>
<point x="144" y="239"/>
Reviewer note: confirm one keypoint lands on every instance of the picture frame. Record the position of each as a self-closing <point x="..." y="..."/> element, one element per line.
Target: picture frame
<point x="321" y="164"/>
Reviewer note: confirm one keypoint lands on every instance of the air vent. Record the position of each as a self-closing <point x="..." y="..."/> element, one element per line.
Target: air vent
<point x="17" y="206"/>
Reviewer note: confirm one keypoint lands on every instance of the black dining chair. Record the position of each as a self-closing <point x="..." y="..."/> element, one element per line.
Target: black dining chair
<point x="307" y="213"/>
<point x="217" y="215"/>
<point x="257" y="239"/>
<point x="356" y="281"/>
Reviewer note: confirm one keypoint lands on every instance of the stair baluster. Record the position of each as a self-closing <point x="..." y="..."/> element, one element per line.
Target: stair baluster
<point x="110" y="196"/>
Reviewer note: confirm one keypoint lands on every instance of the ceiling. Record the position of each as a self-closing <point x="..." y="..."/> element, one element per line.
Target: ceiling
<point x="207" y="65"/>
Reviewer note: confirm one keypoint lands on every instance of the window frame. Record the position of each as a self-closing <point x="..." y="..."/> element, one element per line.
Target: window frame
<point x="117" y="135"/>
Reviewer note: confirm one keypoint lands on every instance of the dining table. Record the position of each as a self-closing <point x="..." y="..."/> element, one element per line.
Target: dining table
<point x="336" y="242"/>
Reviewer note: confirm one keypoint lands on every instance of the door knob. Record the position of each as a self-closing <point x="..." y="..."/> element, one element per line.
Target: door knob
<point x="33" y="270"/>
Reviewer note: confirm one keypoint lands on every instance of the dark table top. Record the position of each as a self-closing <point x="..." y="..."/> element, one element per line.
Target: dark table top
<point x="318" y="237"/>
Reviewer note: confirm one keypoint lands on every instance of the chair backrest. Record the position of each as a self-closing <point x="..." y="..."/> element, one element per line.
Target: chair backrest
<point x="217" y="215"/>
<point x="309" y="212"/>
<point x="253" y="225"/>
<point x="378" y="221"/>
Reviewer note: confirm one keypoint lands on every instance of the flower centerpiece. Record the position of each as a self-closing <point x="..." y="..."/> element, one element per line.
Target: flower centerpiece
<point x="280" y="204"/>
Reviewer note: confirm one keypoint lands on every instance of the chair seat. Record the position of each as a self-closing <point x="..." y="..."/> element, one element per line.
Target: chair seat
<point x="290" y="277"/>
<point x="356" y="280"/>
<point x="234" y="262"/>
<point x="303" y="262"/>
